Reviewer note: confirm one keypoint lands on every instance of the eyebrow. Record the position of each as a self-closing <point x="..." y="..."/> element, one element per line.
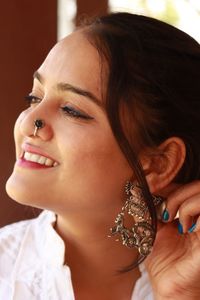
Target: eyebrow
<point x="71" y="88"/>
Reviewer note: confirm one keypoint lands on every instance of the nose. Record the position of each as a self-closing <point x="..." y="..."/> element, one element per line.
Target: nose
<point x="36" y="124"/>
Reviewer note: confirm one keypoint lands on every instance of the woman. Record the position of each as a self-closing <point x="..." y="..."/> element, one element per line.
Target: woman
<point x="114" y="106"/>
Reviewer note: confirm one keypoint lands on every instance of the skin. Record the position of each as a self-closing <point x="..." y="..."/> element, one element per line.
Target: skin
<point x="81" y="189"/>
<point x="174" y="271"/>
<point x="86" y="189"/>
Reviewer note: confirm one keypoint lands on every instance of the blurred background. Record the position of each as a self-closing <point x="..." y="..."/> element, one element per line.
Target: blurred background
<point x="28" y="29"/>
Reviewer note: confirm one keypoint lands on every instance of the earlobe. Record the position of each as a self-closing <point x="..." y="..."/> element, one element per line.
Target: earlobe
<point x="164" y="163"/>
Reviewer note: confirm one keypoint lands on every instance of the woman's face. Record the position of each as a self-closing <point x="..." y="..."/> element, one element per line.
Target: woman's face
<point x="87" y="169"/>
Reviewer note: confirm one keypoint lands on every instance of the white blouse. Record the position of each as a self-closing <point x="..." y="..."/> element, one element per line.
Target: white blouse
<point x="32" y="263"/>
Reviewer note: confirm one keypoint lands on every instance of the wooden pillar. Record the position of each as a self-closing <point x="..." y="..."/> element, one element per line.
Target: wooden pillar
<point x="28" y="29"/>
<point x="90" y="8"/>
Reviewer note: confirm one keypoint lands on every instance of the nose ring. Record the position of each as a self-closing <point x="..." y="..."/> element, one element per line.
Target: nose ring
<point x="38" y="124"/>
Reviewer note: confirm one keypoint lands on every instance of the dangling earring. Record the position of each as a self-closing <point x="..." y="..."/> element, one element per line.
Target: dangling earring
<point x="141" y="235"/>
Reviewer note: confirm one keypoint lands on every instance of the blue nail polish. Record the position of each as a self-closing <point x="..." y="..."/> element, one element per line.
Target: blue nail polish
<point x="165" y="215"/>
<point x="180" y="228"/>
<point x="192" y="228"/>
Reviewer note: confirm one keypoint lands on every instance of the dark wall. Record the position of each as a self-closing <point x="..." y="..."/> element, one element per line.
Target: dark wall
<point x="90" y="8"/>
<point x="27" y="31"/>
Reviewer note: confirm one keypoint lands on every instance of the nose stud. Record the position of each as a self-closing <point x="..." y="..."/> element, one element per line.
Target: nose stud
<point x="38" y="124"/>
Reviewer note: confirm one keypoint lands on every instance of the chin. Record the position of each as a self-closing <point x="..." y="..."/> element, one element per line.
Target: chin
<point x="23" y="193"/>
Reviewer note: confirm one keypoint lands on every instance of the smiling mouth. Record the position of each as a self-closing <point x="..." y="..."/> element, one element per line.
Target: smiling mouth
<point x="40" y="159"/>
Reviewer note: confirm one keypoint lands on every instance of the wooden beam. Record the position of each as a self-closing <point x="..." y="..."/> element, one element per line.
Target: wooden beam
<point x="28" y="30"/>
<point x="89" y="8"/>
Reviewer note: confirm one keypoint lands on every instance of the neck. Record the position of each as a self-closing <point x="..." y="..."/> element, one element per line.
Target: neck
<point x="93" y="257"/>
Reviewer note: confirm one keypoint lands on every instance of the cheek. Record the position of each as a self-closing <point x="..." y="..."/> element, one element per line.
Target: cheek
<point x="92" y="165"/>
<point x="16" y="127"/>
<point x="18" y="122"/>
<point x="17" y="135"/>
<point x="93" y="154"/>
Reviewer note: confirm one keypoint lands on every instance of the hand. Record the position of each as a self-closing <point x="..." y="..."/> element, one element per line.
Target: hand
<point x="174" y="264"/>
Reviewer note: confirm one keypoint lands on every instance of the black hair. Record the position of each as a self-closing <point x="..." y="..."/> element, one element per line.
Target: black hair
<point x="154" y="72"/>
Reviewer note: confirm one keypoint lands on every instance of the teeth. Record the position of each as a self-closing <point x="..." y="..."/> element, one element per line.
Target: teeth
<point x="27" y="155"/>
<point x="48" y="162"/>
<point x="40" y="159"/>
<point x="34" y="157"/>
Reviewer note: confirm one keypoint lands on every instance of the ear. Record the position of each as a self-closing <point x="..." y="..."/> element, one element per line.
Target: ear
<point x="162" y="164"/>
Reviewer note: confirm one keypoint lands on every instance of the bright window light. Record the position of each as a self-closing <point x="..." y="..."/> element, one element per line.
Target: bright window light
<point x="184" y="14"/>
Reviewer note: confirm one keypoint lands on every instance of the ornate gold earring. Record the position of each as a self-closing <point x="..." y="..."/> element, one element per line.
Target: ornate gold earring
<point x="141" y="235"/>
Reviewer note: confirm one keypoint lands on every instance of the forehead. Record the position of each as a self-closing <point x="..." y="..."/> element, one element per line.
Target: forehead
<point x="73" y="60"/>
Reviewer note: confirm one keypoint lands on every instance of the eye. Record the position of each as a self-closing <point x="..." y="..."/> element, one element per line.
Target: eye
<point x="74" y="113"/>
<point x="31" y="99"/>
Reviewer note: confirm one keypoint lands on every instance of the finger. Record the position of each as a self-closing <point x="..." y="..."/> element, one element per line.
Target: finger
<point x="179" y="196"/>
<point x="197" y="227"/>
<point x="189" y="212"/>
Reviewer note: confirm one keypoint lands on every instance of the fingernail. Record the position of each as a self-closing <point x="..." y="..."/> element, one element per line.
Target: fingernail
<point x="165" y="216"/>
<point x="180" y="228"/>
<point x="192" y="228"/>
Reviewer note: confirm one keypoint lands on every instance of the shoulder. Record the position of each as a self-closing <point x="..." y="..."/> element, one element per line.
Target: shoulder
<point x="11" y="237"/>
<point x="12" y="234"/>
<point x="12" y="240"/>
<point x="10" y="230"/>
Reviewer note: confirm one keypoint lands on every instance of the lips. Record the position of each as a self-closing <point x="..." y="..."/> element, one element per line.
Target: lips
<point x="40" y="159"/>
<point x="34" y="154"/>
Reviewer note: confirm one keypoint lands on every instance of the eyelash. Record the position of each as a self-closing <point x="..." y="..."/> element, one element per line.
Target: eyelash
<point x="68" y="110"/>
<point x="30" y="99"/>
